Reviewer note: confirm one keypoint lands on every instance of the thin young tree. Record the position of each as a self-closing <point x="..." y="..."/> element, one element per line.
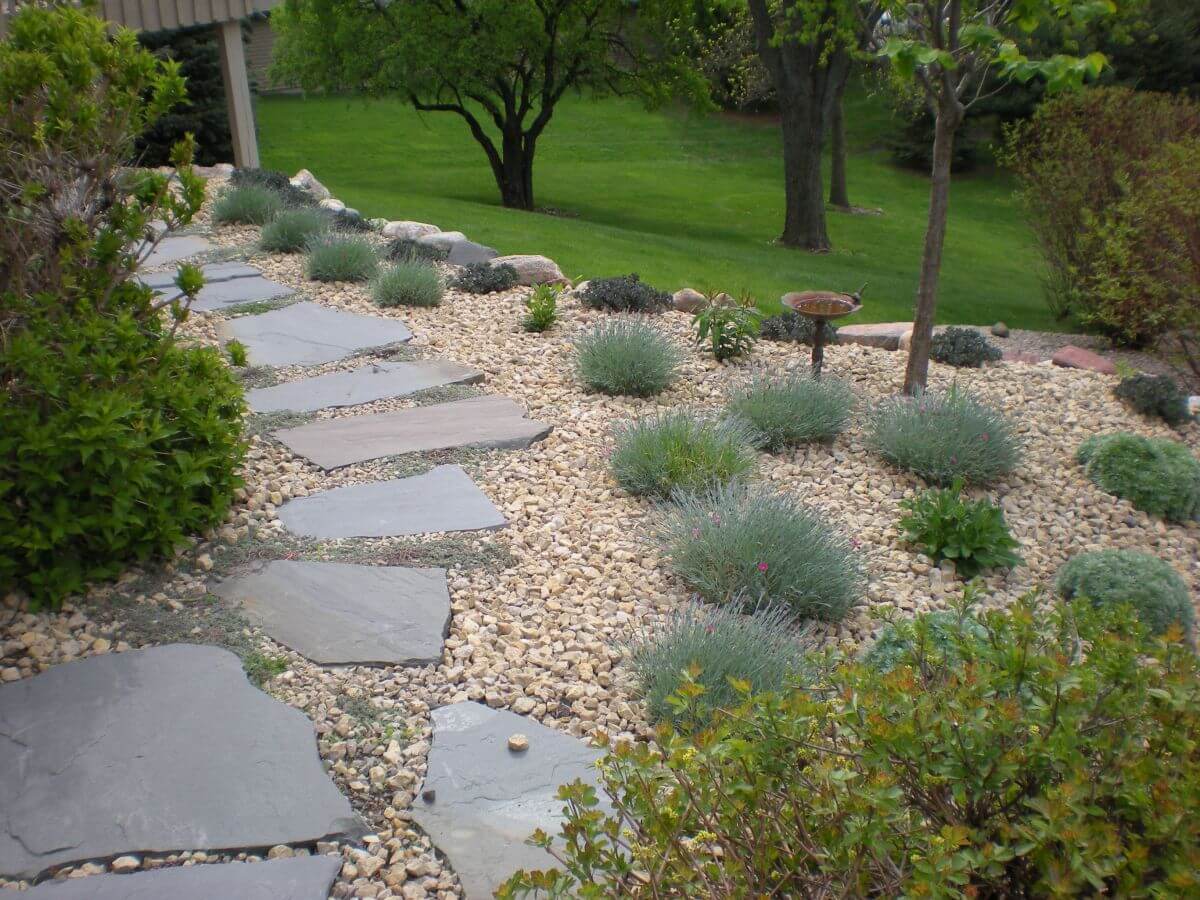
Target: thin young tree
<point x="948" y="47"/>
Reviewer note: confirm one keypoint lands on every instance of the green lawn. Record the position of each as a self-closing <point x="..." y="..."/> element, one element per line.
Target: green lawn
<point x="680" y="199"/>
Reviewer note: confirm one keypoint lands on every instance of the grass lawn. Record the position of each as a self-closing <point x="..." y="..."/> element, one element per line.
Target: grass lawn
<point x="679" y="199"/>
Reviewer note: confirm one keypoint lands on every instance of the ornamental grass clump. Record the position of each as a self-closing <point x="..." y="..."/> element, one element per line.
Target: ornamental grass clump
<point x="679" y="450"/>
<point x="626" y="357"/>
<point x="942" y="437"/>
<point x="1158" y="595"/>
<point x="335" y="256"/>
<point x="793" y="410"/>
<point x="745" y="545"/>
<point x="292" y="230"/>
<point x="247" y="204"/>
<point x="1157" y="476"/>
<point x="716" y="644"/>
<point x="407" y="284"/>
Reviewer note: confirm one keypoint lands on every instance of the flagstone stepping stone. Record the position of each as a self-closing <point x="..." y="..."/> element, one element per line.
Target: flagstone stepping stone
<point x="174" y="248"/>
<point x="152" y="751"/>
<point x="307" y="334"/>
<point x="342" y="614"/>
<point x="225" y="284"/>
<point x="462" y="252"/>
<point x="377" y="381"/>
<point x="297" y="878"/>
<point x="486" y="800"/>
<point x="493" y="422"/>
<point x="883" y="335"/>
<point x="443" y="499"/>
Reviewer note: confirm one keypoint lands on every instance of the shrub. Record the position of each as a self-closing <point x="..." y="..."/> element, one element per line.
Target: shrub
<point x="276" y="181"/>
<point x="745" y="545"/>
<point x="348" y="220"/>
<point x="717" y="645"/>
<point x="728" y="329"/>
<point x="407" y="284"/>
<point x="248" y="204"/>
<point x="794" y="410"/>
<point x="1157" y="476"/>
<point x="485" y="278"/>
<point x="677" y="450"/>
<point x="541" y="307"/>
<point x="292" y="230"/>
<point x="964" y="347"/>
<point x="1155" y="395"/>
<point x="970" y="533"/>
<point x="626" y="357"/>
<point x="1075" y="158"/>
<point x="334" y="256"/>
<point x="942" y="437"/>
<point x="791" y="326"/>
<point x="238" y="355"/>
<point x="1151" y="586"/>
<point x="408" y="250"/>
<point x="1028" y="772"/>
<point x="930" y="637"/>
<point x="624" y="294"/>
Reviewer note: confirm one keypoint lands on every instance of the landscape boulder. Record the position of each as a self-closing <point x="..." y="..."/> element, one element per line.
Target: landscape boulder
<point x="333" y="205"/>
<point x="408" y="231"/>
<point x="1072" y="357"/>
<point x="884" y="335"/>
<point x="306" y="181"/>
<point x="533" y="269"/>
<point x="688" y="300"/>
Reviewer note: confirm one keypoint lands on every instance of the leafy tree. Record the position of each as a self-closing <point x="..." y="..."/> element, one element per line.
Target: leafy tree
<point x="500" y="65"/>
<point x="948" y="47"/>
<point x="807" y="47"/>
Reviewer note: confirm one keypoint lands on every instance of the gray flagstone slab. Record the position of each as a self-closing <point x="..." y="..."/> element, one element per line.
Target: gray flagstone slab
<point x="156" y="750"/>
<point x="462" y="252"/>
<point x="174" y="248"/>
<point x="225" y="284"/>
<point x="298" y="878"/>
<point x="342" y="614"/>
<point x="493" y="422"/>
<point x="307" y="334"/>
<point x="442" y="499"/>
<point x="377" y="381"/>
<point x="486" y="799"/>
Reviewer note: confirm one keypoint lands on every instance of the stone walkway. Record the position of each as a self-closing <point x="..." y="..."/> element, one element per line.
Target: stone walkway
<point x="170" y="748"/>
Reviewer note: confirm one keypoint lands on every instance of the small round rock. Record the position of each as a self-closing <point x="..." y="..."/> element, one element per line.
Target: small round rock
<point x="1000" y="330"/>
<point x="518" y="743"/>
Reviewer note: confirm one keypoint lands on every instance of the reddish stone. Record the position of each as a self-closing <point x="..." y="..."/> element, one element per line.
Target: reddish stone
<point x="884" y="335"/>
<point x="1072" y="357"/>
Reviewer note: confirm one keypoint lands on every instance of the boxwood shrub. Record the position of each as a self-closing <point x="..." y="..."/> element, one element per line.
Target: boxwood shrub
<point x="1157" y="476"/>
<point x="1155" y="395"/>
<point x="627" y="293"/>
<point x="963" y="347"/>
<point x="1150" y="585"/>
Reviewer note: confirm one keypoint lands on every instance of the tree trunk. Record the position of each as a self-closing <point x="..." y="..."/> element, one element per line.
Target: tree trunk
<point x="838" y="194"/>
<point x="917" y="370"/>
<point x="803" y="128"/>
<point x="515" y="176"/>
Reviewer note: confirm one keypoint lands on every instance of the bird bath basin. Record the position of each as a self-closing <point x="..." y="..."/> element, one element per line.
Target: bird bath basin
<point x="820" y="307"/>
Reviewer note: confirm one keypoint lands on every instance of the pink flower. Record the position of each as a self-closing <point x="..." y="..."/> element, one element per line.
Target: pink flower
<point x="855" y="543"/>
<point x="708" y="629"/>
<point x="762" y="567"/>
<point x="716" y="520"/>
<point x="983" y="437"/>
<point x="954" y="460"/>
<point x="695" y="532"/>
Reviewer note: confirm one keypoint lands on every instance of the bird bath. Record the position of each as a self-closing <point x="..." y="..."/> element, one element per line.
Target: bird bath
<point x="820" y="307"/>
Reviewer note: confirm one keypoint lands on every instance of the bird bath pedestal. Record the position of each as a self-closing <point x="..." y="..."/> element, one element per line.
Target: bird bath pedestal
<point x="820" y="307"/>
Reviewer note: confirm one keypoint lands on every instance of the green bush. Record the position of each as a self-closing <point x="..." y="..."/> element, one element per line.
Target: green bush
<point x="930" y="637"/>
<point x="793" y="410"/>
<point x="1157" y="476"/>
<point x="408" y="250"/>
<point x="407" y="284"/>
<point x="970" y="533"/>
<point x="963" y="347"/>
<point x="292" y="230"/>
<point x="249" y="204"/>
<point x="278" y="182"/>
<point x="942" y="437"/>
<point x="626" y="357"/>
<point x="747" y="546"/>
<point x="335" y="256"/>
<point x="541" y="308"/>
<point x="485" y="278"/>
<point x="1016" y="769"/>
<point x="1155" y="395"/>
<point x="624" y="294"/>
<point x="677" y="450"/>
<point x="717" y="645"/>
<point x="1151" y="586"/>
<point x="791" y="326"/>
<point x="728" y="329"/>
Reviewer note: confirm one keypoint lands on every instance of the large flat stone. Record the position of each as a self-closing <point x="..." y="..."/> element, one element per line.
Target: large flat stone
<point x="377" y="381"/>
<point x="1072" y="357"/>
<point x="174" y="248"/>
<point x="494" y="422"/>
<point x="298" y="878"/>
<point x="341" y="614"/>
<point x="225" y="284"/>
<point x="884" y="335"/>
<point x="443" y="499"/>
<point x="307" y="334"/>
<point x="155" y="750"/>
<point x="463" y="252"/>
<point x="487" y="800"/>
